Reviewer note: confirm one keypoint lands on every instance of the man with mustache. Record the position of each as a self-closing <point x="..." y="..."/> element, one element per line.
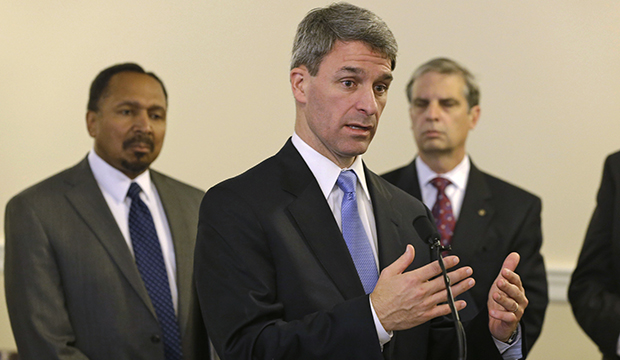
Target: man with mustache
<point x="484" y="219"/>
<point x="99" y="257"/>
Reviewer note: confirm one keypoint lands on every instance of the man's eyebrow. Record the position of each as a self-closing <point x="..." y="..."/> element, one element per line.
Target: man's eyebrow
<point x="156" y="107"/>
<point x="387" y="76"/>
<point x="128" y="103"/>
<point x="358" y="71"/>
<point x="422" y="98"/>
<point x="351" y="69"/>
<point x="136" y="104"/>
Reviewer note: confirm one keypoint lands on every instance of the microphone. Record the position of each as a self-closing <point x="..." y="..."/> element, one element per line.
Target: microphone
<point x="429" y="234"/>
<point x="426" y="230"/>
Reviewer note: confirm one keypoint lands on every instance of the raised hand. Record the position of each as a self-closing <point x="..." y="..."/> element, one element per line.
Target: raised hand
<point x="403" y="300"/>
<point x="507" y="300"/>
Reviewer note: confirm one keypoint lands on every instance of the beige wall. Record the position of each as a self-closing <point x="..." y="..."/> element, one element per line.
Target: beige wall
<point x="548" y="70"/>
<point x="6" y="336"/>
<point x="562" y="338"/>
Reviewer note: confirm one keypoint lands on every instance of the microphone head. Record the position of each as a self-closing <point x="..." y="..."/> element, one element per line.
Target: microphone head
<point x="426" y="230"/>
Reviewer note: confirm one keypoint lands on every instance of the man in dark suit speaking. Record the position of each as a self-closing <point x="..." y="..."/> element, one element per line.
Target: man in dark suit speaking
<point x="483" y="218"/>
<point x="99" y="257"/>
<point x="310" y="255"/>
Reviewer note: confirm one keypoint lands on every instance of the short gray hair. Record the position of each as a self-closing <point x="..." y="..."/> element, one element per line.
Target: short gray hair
<point x="322" y="27"/>
<point x="447" y="67"/>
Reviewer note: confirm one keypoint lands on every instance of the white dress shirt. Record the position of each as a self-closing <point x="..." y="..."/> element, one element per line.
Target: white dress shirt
<point x="114" y="186"/>
<point x="326" y="173"/>
<point x="455" y="191"/>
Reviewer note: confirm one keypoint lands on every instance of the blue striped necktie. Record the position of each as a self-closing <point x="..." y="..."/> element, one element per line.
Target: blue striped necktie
<point x="150" y="262"/>
<point x="354" y="234"/>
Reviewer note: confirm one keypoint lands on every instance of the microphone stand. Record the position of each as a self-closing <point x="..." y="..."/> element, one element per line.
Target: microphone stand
<point x="435" y="244"/>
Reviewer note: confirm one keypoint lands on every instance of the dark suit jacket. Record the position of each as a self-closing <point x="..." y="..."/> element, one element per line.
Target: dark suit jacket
<point x="594" y="291"/>
<point x="72" y="287"/>
<point x="496" y="219"/>
<point x="274" y="276"/>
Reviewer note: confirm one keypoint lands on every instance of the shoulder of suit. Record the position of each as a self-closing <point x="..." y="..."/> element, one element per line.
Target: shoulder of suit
<point x="393" y="175"/>
<point x="56" y="184"/>
<point x="286" y="167"/>
<point x="159" y="177"/>
<point x="611" y="167"/>
<point x="498" y="185"/>
<point x="261" y="174"/>
<point x="397" y="193"/>
<point x="614" y="158"/>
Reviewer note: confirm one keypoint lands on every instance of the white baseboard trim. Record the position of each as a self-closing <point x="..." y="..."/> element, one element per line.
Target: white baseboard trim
<point x="557" y="277"/>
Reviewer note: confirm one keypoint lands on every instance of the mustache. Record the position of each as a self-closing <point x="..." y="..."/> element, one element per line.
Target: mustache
<point x="139" y="139"/>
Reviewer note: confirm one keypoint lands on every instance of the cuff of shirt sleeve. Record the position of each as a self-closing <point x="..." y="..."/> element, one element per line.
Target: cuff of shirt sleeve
<point x="384" y="336"/>
<point x="510" y="351"/>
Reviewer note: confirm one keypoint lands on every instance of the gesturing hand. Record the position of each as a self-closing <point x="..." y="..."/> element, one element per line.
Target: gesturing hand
<point x="507" y="300"/>
<point x="403" y="300"/>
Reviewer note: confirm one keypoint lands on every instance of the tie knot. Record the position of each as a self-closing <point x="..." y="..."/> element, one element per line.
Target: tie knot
<point x="134" y="191"/>
<point x="440" y="183"/>
<point x="346" y="181"/>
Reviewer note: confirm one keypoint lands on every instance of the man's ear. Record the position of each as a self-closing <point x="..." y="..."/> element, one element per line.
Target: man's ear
<point x="299" y="77"/>
<point x="91" y="120"/>
<point x="474" y="114"/>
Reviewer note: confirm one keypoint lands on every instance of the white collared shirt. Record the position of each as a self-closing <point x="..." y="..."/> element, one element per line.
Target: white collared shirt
<point x="455" y="191"/>
<point x="114" y="186"/>
<point x="326" y="173"/>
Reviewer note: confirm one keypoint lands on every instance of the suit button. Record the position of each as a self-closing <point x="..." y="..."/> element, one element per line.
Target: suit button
<point x="155" y="339"/>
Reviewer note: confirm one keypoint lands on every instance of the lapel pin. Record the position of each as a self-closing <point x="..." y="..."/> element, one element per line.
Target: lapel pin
<point x="482" y="212"/>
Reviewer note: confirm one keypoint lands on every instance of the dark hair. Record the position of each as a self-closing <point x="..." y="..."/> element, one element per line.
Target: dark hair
<point x="448" y="67"/>
<point x="322" y="27"/>
<point x="99" y="86"/>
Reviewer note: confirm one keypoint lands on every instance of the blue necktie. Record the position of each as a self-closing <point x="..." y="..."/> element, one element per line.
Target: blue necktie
<point x="150" y="262"/>
<point x="354" y="234"/>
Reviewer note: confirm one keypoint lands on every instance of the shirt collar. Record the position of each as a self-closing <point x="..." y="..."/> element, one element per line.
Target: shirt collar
<point x="114" y="182"/>
<point x="324" y="170"/>
<point x="457" y="176"/>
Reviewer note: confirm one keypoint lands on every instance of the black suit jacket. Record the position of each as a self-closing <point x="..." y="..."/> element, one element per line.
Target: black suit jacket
<point x="594" y="291"/>
<point x="496" y="218"/>
<point x="72" y="286"/>
<point x="274" y="277"/>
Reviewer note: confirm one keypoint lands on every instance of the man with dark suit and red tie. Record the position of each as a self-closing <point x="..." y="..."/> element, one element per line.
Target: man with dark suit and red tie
<point x="310" y="255"/>
<point x="483" y="218"/>
<point x="99" y="257"/>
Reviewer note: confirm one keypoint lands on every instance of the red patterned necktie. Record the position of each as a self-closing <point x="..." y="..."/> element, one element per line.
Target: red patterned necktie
<point x="442" y="211"/>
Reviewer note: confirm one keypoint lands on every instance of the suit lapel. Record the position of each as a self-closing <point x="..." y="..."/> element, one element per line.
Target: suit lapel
<point x="316" y="223"/>
<point x="390" y="245"/>
<point x="390" y="226"/>
<point x="408" y="181"/>
<point x="475" y="216"/>
<point x="87" y="199"/>
<point x="182" y="238"/>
